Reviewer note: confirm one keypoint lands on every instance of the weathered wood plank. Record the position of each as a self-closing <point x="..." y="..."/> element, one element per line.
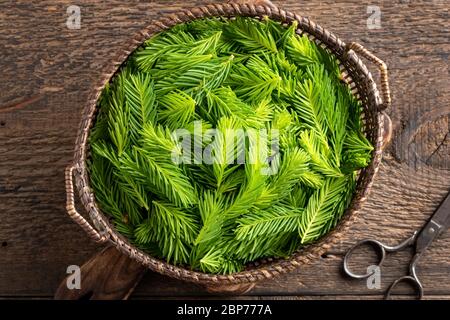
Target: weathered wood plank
<point x="48" y="71"/>
<point x="267" y="299"/>
<point x="109" y="275"/>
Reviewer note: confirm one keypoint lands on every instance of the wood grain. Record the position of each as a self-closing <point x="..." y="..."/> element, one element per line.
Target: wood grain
<point x="47" y="73"/>
<point x="108" y="275"/>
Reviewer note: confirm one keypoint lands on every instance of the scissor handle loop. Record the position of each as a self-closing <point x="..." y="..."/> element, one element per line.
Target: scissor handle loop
<point x="381" y="248"/>
<point x="411" y="279"/>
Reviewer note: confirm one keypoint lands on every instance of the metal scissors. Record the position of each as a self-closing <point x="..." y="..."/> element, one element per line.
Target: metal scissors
<point x="420" y="240"/>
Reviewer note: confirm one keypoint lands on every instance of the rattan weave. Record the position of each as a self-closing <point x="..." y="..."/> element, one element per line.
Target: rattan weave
<point x="355" y="74"/>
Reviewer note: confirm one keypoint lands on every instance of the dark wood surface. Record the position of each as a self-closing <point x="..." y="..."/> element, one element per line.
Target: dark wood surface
<point x="46" y="71"/>
<point x="108" y="275"/>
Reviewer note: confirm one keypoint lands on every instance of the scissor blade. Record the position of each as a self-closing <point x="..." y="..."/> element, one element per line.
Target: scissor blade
<point x="442" y="214"/>
<point x="438" y="223"/>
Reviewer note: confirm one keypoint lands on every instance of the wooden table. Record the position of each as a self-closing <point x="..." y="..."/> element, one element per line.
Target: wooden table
<point x="48" y="69"/>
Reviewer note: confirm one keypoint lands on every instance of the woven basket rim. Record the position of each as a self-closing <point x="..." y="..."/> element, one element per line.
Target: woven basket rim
<point x="262" y="269"/>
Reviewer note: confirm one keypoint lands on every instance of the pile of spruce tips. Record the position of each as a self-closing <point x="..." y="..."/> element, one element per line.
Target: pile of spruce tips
<point x="227" y="74"/>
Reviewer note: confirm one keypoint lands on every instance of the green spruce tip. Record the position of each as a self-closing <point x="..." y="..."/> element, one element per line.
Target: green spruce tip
<point x="229" y="74"/>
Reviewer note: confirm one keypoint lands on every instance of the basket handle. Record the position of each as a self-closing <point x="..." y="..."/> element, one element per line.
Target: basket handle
<point x="385" y="91"/>
<point x="73" y="213"/>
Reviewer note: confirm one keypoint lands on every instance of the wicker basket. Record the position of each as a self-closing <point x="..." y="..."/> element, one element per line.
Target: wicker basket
<point x="354" y="72"/>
